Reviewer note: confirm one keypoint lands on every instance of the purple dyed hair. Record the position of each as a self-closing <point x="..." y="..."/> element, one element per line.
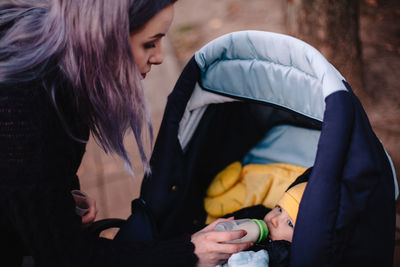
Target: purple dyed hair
<point x="89" y="43"/>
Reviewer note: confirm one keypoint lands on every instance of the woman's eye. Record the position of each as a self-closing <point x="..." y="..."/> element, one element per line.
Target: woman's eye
<point x="290" y="224"/>
<point x="149" y="45"/>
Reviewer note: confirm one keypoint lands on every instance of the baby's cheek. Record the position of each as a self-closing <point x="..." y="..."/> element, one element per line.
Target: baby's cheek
<point x="273" y="234"/>
<point x="290" y="237"/>
<point x="281" y="233"/>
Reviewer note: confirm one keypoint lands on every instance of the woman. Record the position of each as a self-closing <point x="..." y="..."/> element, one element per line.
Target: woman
<point x="68" y="68"/>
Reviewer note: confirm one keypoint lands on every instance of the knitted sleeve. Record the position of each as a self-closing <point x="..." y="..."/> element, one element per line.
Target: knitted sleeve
<point x="38" y="162"/>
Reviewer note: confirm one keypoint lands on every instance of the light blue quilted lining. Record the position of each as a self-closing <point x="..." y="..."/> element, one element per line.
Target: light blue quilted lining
<point x="269" y="67"/>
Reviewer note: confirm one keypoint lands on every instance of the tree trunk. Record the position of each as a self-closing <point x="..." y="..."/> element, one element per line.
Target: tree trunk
<point x="332" y="27"/>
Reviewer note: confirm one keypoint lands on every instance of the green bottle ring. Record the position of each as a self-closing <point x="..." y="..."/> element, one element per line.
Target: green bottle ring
<point x="263" y="229"/>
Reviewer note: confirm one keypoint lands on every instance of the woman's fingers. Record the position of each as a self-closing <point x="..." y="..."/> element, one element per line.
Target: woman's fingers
<point x="222" y="258"/>
<point x="89" y="217"/>
<point x="226" y="236"/>
<point x="211" y="226"/>
<point x="229" y="248"/>
<point x="209" y="247"/>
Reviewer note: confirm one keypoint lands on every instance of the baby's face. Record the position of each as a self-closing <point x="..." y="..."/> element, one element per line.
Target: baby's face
<point x="280" y="225"/>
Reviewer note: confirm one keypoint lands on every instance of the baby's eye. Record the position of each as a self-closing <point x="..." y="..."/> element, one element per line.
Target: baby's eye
<point x="280" y="209"/>
<point x="290" y="224"/>
<point x="149" y="45"/>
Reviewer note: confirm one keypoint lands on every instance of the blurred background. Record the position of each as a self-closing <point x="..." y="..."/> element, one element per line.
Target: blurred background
<point x="361" y="38"/>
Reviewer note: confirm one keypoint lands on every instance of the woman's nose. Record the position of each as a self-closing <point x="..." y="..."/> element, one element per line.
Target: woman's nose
<point x="158" y="56"/>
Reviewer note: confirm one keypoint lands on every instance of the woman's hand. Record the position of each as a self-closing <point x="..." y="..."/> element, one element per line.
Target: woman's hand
<point x="209" y="247"/>
<point x="85" y="207"/>
<point x="89" y="217"/>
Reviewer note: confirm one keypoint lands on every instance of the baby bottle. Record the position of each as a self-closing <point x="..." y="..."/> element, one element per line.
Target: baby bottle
<point x="256" y="230"/>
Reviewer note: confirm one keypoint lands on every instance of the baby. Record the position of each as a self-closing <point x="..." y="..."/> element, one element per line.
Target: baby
<point x="275" y="251"/>
<point x="282" y="219"/>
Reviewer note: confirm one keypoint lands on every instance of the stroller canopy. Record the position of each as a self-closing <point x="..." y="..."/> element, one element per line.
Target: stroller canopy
<point x="232" y="97"/>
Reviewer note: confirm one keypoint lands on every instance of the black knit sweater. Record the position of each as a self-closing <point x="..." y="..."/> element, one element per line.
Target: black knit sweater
<point x="38" y="165"/>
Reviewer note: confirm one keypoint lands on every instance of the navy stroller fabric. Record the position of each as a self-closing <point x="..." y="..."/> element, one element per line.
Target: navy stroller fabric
<point x="347" y="215"/>
<point x="347" y="211"/>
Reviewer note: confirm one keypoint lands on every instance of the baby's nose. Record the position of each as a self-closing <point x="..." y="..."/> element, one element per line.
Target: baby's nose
<point x="275" y="221"/>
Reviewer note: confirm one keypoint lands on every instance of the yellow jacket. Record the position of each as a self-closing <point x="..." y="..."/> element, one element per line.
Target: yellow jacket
<point x="237" y="187"/>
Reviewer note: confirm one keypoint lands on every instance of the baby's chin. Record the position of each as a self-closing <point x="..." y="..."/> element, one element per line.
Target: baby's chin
<point x="277" y="237"/>
<point x="280" y="239"/>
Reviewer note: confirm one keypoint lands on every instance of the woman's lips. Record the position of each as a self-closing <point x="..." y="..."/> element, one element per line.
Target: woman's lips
<point x="143" y="75"/>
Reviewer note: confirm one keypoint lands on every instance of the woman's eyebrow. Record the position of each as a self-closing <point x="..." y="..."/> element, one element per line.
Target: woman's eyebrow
<point x="158" y="35"/>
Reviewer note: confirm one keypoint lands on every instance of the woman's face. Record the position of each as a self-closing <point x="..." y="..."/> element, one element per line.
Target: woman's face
<point x="146" y="43"/>
<point x="280" y="225"/>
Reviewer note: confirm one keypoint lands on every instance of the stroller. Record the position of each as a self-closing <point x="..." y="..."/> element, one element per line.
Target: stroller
<point x="233" y="99"/>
